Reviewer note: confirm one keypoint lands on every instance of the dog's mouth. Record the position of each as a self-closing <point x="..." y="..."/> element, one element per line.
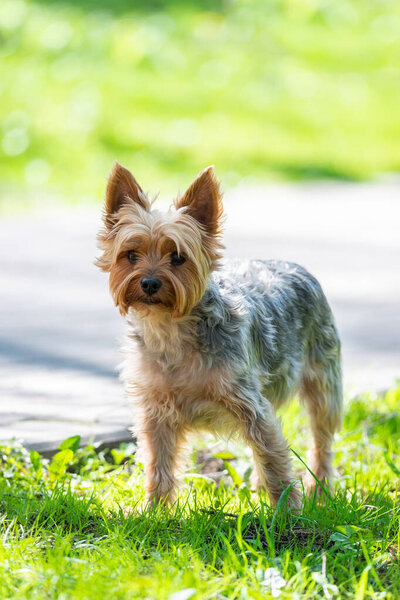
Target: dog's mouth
<point x="150" y="301"/>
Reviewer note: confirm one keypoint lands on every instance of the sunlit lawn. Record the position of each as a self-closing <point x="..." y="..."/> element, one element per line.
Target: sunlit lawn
<point x="262" y="89"/>
<point x="65" y="533"/>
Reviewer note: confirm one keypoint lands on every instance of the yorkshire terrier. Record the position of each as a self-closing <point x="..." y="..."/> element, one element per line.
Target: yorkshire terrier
<point x="215" y="346"/>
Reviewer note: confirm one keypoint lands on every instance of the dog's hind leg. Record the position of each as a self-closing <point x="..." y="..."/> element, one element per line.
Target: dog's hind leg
<point x="321" y="391"/>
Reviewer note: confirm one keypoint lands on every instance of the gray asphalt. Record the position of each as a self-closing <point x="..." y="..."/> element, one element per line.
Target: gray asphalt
<point x="60" y="333"/>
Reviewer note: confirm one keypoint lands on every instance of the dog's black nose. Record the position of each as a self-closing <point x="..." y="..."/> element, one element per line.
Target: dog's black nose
<point x="150" y="286"/>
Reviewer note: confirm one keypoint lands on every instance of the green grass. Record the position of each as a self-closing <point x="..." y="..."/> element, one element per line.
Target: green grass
<point x="65" y="534"/>
<point x="284" y="89"/>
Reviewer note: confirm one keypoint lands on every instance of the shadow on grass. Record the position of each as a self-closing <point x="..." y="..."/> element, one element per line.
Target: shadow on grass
<point x="346" y="531"/>
<point x="62" y="511"/>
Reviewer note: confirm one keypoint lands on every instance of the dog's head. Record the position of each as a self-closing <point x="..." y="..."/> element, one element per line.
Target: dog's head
<point x="159" y="261"/>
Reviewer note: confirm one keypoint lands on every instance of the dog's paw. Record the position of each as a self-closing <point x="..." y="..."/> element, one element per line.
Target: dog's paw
<point x="317" y="485"/>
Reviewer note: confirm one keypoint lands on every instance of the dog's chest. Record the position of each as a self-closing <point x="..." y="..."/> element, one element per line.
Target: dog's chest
<point x="185" y="384"/>
<point x="179" y="350"/>
<point x="189" y="394"/>
<point x="189" y="376"/>
<point x="176" y="372"/>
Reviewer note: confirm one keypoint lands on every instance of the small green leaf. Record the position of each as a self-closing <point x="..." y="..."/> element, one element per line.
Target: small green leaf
<point x="352" y="531"/>
<point x="342" y="529"/>
<point x="36" y="464"/>
<point x="35" y="460"/>
<point x="338" y="537"/>
<point x="237" y="480"/>
<point x="59" y="464"/>
<point x="71" y="443"/>
<point x="118" y="455"/>
<point x="224" y="455"/>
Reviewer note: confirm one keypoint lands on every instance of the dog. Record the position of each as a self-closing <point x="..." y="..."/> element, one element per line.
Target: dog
<point x="215" y="345"/>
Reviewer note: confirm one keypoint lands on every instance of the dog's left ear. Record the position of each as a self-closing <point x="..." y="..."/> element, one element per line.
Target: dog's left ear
<point x="203" y="201"/>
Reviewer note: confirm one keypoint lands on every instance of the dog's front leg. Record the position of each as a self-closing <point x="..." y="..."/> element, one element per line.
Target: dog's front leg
<point x="160" y="442"/>
<point x="261" y="430"/>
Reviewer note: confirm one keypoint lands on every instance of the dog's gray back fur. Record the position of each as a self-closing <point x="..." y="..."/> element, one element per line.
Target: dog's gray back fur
<point x="270" y="320"/>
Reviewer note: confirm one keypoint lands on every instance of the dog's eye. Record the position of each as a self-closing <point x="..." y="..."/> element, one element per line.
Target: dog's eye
<point x="132" y="256"/>
<point x="177" y="259"/>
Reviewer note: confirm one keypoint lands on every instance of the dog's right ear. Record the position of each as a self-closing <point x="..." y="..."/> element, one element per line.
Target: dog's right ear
<point x="122" y="188"/>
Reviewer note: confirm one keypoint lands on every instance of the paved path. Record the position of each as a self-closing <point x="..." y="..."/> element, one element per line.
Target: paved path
<point x="59" y="331"/>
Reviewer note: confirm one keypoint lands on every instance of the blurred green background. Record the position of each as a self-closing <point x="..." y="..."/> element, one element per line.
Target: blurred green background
<point x="263" y="89"/>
